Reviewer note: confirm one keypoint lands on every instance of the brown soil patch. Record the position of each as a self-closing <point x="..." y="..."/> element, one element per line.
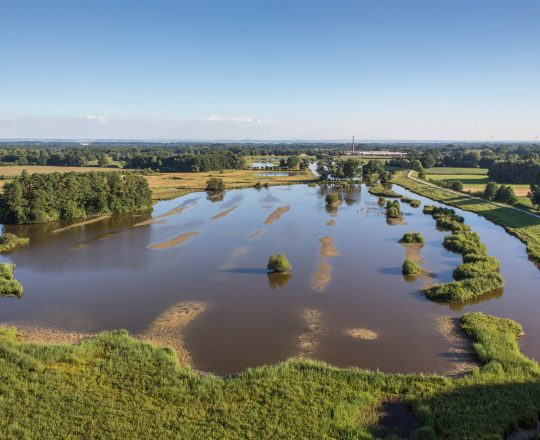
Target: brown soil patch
<point x="224" y="213"/>
<point x="256" y="234"/>
<point x="308" y="341"/>
<point x="460" y="347"/>
<point x="175" y="241"/>
<point x="234" y="256"/>
<point x="330" y="223"/>
<point x="361" y="333"/>
<point x="167" y="328"/>
<point x="275" y="216"/>
<point x="82" y="223"/>
<point x="322" y="276"/>
<point x="328" y="249"/>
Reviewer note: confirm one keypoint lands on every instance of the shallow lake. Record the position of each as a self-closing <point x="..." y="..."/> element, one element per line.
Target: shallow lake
<point x="110" y="274"/>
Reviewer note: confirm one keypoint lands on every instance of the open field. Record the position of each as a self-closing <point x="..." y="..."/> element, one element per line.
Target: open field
<point x="115" y="386"/>
<point x="170" y="185"/>
<point x="474" y="179"/>
<point x="524" y="226"/>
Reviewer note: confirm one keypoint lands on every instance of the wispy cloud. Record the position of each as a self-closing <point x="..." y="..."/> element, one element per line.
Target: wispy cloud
<point x="232" y="119"/>
<point x="97" y="119"/>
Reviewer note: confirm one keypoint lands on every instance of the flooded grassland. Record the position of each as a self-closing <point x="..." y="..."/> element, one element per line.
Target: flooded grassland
<point x="193" y="276"/>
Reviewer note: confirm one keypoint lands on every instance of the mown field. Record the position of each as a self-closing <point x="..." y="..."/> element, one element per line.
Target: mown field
<point x="115" y="387"/>
<point x="522" y="225"/>
<point x="170" y="185"/>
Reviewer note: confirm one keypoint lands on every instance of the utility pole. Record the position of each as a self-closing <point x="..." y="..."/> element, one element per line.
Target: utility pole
<point x="353" y="145"/>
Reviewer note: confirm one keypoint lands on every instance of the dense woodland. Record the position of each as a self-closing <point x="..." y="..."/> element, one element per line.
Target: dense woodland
<point x="39" y="198"/>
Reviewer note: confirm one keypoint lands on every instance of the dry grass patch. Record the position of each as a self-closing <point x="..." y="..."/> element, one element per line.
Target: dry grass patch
<point x="82" y="223"/>
<point x="328" y="249"/>
<point x="460" y="347"/>
<point x="322" y="276"/>
<point x="256" y="234"/>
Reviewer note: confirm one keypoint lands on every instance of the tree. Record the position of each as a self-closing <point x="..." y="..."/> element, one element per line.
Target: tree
<point x="505" y="194"/>
<point x="215" y="184"/>
<point x="490" y="191"/>
<point x="103" y="161"/>
<point x="534" y="194"/>
<point x="278" y="263"/>
<point x="293" y="162"/>
<point x="352" y="168"/>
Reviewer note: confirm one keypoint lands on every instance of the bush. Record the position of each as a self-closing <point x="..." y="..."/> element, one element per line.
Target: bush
<point x="11" y="241"/>
<point x="477" y="269"/>
<point x="415" y="203"/>
<point x="332" y="199"/>
<point x="9" y="286"/>
<point x="258" y="185"/>
<point x="215" y="184"/>
<point x="410" y="268"/>
<point x="464" y="290"/>
<point x="278" y="263"/>
<point x="412" y="237"/>
<point x="381" y="201"/>
<point x="393" y="210"/>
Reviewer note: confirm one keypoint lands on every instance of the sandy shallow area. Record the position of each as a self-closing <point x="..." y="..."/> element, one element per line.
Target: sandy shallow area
<point x="459" y="346"/>
<point x="175" y="241"/>
<point x="82" y="223"/>
<point x="157" y="218"/>
<point x="328" y="249"/>
<point x="224" y="213"/>
<point x="323" y="274"/>
<point x="47" y="335"/>
<point x="330" y="222"/>
<point x="167" y="328"/>
<point x="308" y="341"/>
<point x="361" y="333"/>
<point x="256" y="234"/>
<point x="276" y="215"/>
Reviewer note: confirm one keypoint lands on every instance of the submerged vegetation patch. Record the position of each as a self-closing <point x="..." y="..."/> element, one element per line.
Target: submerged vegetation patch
<point x="175" y="241"/>
<point x="276" y="215"/>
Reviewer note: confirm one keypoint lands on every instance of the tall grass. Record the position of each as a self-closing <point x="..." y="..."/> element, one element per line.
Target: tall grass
<point x="116" y="387"/>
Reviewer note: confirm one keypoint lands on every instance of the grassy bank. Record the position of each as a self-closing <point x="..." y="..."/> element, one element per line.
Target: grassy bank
<point x="113" y="386"/>
<point x="520" y="224"/>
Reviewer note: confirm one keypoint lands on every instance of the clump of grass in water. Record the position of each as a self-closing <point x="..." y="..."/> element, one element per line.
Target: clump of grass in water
<point x="479" y="273"/>
<point x="278" y="263"/>
<point x="412" y="237"/>
<point x="10" y="241"/>
<point x="9" y="286"/>
<point x="410" y="268"/>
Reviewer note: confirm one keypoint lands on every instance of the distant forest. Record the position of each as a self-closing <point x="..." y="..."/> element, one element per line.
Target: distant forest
<point x="508" y="163"/>
<point x="39" y="198"/>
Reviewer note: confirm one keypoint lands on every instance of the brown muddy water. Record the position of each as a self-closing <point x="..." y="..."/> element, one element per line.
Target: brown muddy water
<point x="109" y="274"/>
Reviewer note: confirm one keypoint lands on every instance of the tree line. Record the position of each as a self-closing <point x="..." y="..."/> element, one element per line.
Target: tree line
<point x="39" y="198"/>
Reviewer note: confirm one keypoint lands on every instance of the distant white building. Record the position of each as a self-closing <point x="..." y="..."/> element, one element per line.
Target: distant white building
<point x="375" y="153"/>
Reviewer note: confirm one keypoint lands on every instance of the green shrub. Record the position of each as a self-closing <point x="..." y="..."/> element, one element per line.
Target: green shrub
<point x="393" y="209"/>
<point x="215" y="184"/>
<point x="10" y="241"/>
<point x="278" y="263"/>
<point x="9" y="286"/>
<point x="464" y="290"/>
<point x="409" y="267"/>
<point x="415" y="203"/>
<point x="332" y="198"/>
<point x="477" y="269"/>
<point x="412" y="237"/>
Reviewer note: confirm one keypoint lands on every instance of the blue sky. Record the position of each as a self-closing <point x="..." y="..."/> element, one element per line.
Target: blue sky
<point x="274" y="69"/>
